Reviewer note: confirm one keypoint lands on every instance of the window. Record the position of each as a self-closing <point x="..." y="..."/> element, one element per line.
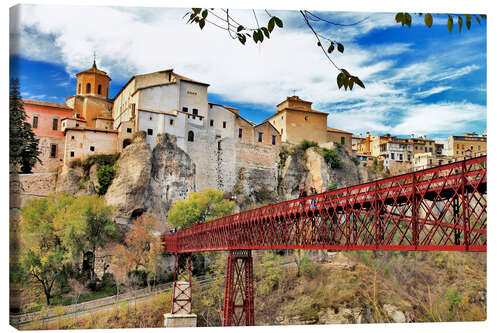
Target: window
<point x="400" y="157"/>
<point x="211" y="122"/>
<point x="129" y="130"/>
<point x="35" y="122"/>
<point x="392" y="156"/>
<point x="133" y="109"/>
<point x="88" y="88"/>
<point x="281" y="131"/>
<point x="430" y="150"/>
<point x="54" y="124"/>
<point x="150" y="118"/>
<point x="430" y="161"/>
<point x="72" y="137"/>
<point x="426" y="149"/>
<point x="471" y="147"/>
<point x="240" y="132"/>
<point x="171" y="122"/>
<point x="53" y="150"/>
<point x="195" y="112"/>
<point x="409" y="157"/>
<point x="99" y="89"/>
<point x="92" y="148"/>
<point x="72" y="154"/>
<point x="184" y="109"/>
<point x="79" y="88"/>
<point x="77" y="125"/>
<point x="191" y="136"/>
<point x="150" y="131"/>
<point x="342" y="141"/>
<point x="260" y="136"/>
<point x="274" y="139"/>
<point x="223" y="124"/>
<point x="306" y="117"/>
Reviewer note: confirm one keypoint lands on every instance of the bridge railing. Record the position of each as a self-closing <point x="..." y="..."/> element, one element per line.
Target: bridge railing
<point x="438" y="208"/>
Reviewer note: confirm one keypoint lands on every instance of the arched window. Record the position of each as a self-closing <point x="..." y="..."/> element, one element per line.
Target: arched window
<point x="126" y="142"/>
<point x="88" y="88"/>
<point x="99" y="88"/>
<point x="190" y="136"/>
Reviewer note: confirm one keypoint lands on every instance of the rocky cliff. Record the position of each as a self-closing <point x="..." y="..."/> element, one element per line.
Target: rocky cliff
<point x="308" y="169"/>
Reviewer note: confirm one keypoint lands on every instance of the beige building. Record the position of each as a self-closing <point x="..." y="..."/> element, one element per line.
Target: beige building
<point x="341" y="137"/>
<point x="296" y="120"/>
<point x="466" y="145"/>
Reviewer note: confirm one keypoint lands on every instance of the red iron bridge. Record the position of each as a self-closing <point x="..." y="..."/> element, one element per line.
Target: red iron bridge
<point x="436" y="209"/>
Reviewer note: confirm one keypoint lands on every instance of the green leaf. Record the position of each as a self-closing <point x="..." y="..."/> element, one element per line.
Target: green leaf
<point x="477" y="19"/>
<point x="240" y="28"/>
<point x="460" y="24"/>
<point x="408" y="19"/>
<point x="483" y="16"/>
<point x="204" y="13"/>
<point x="358" y="82"/>
<point x="351" y="83"/>
<point x="331" y="48"/>
<point x="450" y="23"/>
<point x="428" y="20"/>
<point x="278" y="22"/>
<point x="318" y="43"/>
<point x="340" y="47"/>
<point x="255" y="37"/>
<point x="260" y="35"/>
<point x="468" y="21"/>
<point x="202" y="23"/>
<point x="270" y="24"/>
<point x="196" y="10"/>
<point x="242" y="38"/>
<point x="346" y="73"/>
<point x="266" y="32"/>
<point x="340" y="80"/>
<point x="400" y="17"/>
<point x="346" y="82"/>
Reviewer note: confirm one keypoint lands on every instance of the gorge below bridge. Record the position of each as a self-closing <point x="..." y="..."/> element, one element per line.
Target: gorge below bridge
<point x="436" y="209"/>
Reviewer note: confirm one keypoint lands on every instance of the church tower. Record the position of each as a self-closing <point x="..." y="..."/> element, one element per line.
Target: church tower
<point x="93" y="82"/>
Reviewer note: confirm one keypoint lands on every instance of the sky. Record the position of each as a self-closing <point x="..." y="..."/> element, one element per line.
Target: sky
<point x="418" y="80"/>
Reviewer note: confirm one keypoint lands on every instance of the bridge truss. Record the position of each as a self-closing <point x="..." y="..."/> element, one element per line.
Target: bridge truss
<point x="437" y="209"/>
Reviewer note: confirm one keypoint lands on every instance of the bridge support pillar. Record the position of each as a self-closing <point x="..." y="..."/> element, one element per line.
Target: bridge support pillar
<point x="239" y="292"/>
<point x="181" y="315"/>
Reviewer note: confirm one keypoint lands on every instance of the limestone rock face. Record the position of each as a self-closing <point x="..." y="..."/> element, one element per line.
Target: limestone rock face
<point x="172" y="175"/>
<point x="70" y="181"/>
<point x="293" y="176"/>
<point x="130" y="193"/>
<point x="395" y="315"/>
<point x="349" y="173"/>
<point x="317" y="176"/>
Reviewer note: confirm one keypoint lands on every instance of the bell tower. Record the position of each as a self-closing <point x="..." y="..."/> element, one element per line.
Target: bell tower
<point x="93" y="82"/>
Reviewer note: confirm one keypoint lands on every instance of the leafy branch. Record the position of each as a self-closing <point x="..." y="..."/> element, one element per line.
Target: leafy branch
<point x="406" y="18"/>
<point x="236" y="30"/>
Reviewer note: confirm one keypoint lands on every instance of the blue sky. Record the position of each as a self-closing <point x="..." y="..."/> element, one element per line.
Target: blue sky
<point x="418" y="81"/>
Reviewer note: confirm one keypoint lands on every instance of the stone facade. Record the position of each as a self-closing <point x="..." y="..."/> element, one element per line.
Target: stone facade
<point x="27" y="186"/>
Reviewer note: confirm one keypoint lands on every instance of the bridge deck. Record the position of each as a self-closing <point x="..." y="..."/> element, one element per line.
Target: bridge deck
<point x="441" y="208"/>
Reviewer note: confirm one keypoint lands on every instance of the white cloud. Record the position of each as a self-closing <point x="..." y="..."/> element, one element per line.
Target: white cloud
<point x="432" y="91"/>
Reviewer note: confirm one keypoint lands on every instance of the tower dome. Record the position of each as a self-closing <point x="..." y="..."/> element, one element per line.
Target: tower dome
<point x="93" y="82"/>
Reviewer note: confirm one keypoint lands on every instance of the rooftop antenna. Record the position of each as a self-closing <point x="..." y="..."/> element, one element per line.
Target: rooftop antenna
<point x="94" y="59"/>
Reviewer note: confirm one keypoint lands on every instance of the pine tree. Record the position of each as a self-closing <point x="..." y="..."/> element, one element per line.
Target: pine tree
<point x="23" y="151"/>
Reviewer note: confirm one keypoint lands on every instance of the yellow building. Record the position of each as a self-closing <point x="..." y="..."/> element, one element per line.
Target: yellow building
<point x="466" y="145"/>
<point x="341" y="137"/>
<point x="297" y="121"/>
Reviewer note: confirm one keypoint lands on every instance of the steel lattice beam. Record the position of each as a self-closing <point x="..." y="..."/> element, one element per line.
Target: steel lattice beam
<point x="239" y="293"/>
<point x="182" y="287"/>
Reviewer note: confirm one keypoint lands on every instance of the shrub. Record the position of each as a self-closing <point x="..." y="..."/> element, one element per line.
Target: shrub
<point x="331" y="158"/>
<point x="100" y="160"/>
<point x="105" y="175"/>
<point x="332" y="186"/>
<point x="355" y="160"/>
<point x="304" y="144"/>
<point x="338" y="145"/>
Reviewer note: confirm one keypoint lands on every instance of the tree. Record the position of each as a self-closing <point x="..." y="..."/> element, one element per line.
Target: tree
<point x="43" y="255"/>
<point x="23" y="145"/>
<point x="86" y="226"/>
<point x="142" y="250"/>
<point x="225" y="21"/>
<point x="199" y="207"/>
